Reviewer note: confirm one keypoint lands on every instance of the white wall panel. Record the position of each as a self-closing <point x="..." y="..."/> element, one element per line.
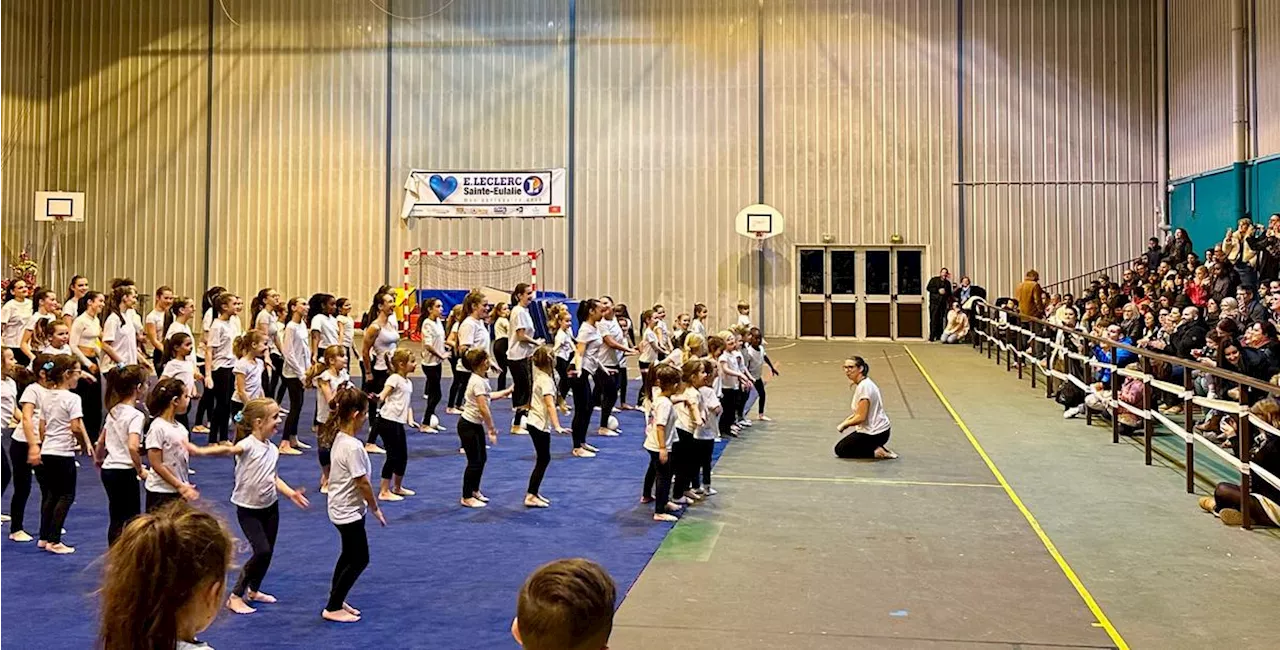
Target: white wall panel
<point x="1200" y="86"/>
<point x="1268" y="71"/>
<point x="24" y="126"/>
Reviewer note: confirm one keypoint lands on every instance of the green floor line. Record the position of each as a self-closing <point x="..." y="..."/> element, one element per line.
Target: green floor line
<point x="690" y="541"/>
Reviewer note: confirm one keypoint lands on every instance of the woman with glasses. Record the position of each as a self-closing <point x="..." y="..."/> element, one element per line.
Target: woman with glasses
<point x="868" y="426"/>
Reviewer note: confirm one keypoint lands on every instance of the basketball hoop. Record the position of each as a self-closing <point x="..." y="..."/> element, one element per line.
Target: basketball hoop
<point x="759" y="222"/>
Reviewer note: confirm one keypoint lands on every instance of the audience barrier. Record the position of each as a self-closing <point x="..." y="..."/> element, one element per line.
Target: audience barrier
<point x="1028" y="344"/>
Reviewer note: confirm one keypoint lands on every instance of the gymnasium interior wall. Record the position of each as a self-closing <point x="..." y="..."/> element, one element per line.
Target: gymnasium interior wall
<point x="269" y="144"/>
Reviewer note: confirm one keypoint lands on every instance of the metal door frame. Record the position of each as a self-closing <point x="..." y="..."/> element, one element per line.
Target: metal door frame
<point x="860" y="298"/>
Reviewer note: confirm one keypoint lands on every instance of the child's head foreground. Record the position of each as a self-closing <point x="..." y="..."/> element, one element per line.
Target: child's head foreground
<point x="566" y="605"/>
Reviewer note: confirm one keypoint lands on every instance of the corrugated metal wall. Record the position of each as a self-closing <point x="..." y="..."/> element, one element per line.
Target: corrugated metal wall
<point x="859" y="131"/>
<point x="1060" y="154"/>
<point x="1268" y="71"/>
<point x="666" y="137"/>
<point x="299" y="137"/>
<point x="481" y="85"/>
<point x="1199" y="86"/>
<point x="24" y="122"/>
<point x="126" y="111"/>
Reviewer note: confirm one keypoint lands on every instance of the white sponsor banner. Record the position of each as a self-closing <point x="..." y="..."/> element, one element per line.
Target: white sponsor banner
<point x="534" y="193"/>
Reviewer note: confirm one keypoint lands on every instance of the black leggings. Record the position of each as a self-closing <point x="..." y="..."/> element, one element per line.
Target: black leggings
<point x="658" y="479"/>
<point x="57" y="475"/>
<point x="123" y="501"/>
<point x="728" y="414"/>
<point x="684" y="462"/>
<point x="1227" y="495"/>
<point x="581" y="409"/>
<point x="293" y="386"/>
<point x="90" y="393"/>
<point x="607" y="391"/>
<point x="500" y="359"/>
<point x="21" y="484"/>
<point x="701" y="474"/>
<point x="458" y="388"/>
<point x="207" y="401"/>
<point x="8" y="471"/>
<point x="542" y="449"/>
<point x="259" y="526"/>
<point x="472" y="437"/>
<point x="621" y="379"/>
<point x="431" y="390"/>
<point x="522" y="394"/>
<point x="275" y="387"/>
<point x="860" y="445"/>
<point x="158" y="500"/>
<point x="351" y="562"/>
<point x="374" y="386"/>
<point x="759" y="384"/>
<point x="224" y="384"/>
<point x="397" y="447"/>
<point x="563" y="384"/>
<point x="646" y="383"/>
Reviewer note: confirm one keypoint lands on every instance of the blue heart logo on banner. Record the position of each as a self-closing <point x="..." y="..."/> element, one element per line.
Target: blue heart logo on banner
<point x="442" y="187"/>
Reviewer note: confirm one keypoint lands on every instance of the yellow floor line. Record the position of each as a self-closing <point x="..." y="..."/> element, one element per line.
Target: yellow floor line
<point x="1103" y="621"/>
<point x="865" y="481"/>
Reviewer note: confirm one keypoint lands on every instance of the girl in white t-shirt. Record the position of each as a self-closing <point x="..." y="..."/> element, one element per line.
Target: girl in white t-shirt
<point x="256" y="497"/>
<point x="262" y="313"/>
<point x="659" y="436"/>
<point x="117" y="449"/>
<point x="208" y="400"/>
<point x="153" y="324"/>
<point x="46" y="304"/>
<point x="562" y="325"/>
<point x="475" y="423"/>
<point x="14" y="315"/>
<point x="24" y="444"/>
<point x="434" y="354"/>
<point x="380" y="341"/>
<point x="328" y="378"/>
<point x="350" y="493"/>
<point x="62" y="425"/>
<point x="650" y="347"/>
<point x="248" y="370"/>
<point x="178" y="362"/>
<point x="733" y="382"/>
<point x="294" y="347"/>
<point x="706" y="436"/>
<point x="394" y="414"/>
<point x="219" y="362"/>
<point x="472" y="333"/>
<point x="500" y="331"/>
<point x="119" y="334"/>
<point x="169" y="447"/>
<point x="451" y="325"/>
<point x="322" y="312"/>
<point x="684" y="455"/>
<point x="542" y="418"/>
<point x="587" y="364"/>
<point x="76" y="289"/>
<point x="346" y="326"/>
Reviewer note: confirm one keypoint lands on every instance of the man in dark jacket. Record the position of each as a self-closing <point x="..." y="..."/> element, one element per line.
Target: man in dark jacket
<point x="940" y="292"/>
<point x="1251" y="309"/>
<point x="1153" y="254"/>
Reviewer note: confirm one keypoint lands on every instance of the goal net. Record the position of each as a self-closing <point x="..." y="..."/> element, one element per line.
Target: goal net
<point x="495" y="273"/>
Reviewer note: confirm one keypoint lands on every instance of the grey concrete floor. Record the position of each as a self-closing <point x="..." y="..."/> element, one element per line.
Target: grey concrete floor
<point x="803" y="550"/>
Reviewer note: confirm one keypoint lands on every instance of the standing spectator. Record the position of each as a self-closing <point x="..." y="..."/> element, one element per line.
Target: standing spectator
<point x="1153" y="254"/>
<point x="1178" y="247"/>
<point x="1030" y="295"/>
<point x="940" y="294"/>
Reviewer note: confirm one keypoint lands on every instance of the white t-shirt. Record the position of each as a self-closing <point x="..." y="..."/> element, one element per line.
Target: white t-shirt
<point x="649" y="346"/>
<point x="13" y="316"/>
<point x="709" y="402"/>
<point x="269" y="318"/>
<point x="383" y="346"/>
<point x="543" y="385"/>
<point x="34" y="395"/>
<point x="171" y="439"/>
<point x="433" y="338"/>
<point x="473" y="334"/>
<point x="184" y="370"/>
<point x="156" y="320"/>
<point x="477" y="386"/>
<point x="71" y="307"/>
<point x="610" y="356"/>
<point x="255" y="486"/>
<point x="123" y="338"/>
<point x="30" y="325"/>
<point x="59" y="407"/>
<point x="754" y="360"/>
<point x="696" y="327"/>
<point x="297" y="350"/>
<point x="663" y="412"/>
<point x="49" y="349"/>
<point x="8" y="400"/>
<point x="396" y="407"/>
<point x="347" y="331"/>
<point x="252" y="370"/>
<point x="502" y="327"/>
<point x="685" y="411"/>
<point x="730" y="360"/>
<point x="327" y="326"/>
<point x="348" y="462"/>
<point x="877" y="422"/>
<point x="334" y="382"/>
<point x="123" y="420"/>
<point x="564" y="344"/>
<point x="744" y="320"/>
<point x="520" y="320"/>
<point x="176" y="327"/>
<point x="220" y="337"/>
<point x="595" y="350"/>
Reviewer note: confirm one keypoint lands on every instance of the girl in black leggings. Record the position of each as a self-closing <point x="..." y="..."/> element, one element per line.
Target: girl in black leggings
<point x="434" y="352"/>
<point x="23" y="441"/>
<point x="118" y="447"/>
<point x="63" y="427"/>
<point x="585" y="364"/>
<point x="541" y="418"/>
<point x="394" y="414"/>
<point x="476" y="424"/>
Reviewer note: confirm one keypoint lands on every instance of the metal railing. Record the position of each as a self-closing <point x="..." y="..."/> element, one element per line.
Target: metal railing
<point x="1076" y="284"/>
<point x="1025" y="343"/>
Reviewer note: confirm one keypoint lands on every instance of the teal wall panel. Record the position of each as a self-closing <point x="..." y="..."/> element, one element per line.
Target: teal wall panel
<point x="1264" y="188"/>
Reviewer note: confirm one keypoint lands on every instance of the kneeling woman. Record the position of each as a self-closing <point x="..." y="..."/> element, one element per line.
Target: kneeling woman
<point x="868" y="425"/>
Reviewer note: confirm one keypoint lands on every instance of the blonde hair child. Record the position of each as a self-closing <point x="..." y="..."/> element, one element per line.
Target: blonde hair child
<point x="394" y="414"/>
<point x="329" y="378"/>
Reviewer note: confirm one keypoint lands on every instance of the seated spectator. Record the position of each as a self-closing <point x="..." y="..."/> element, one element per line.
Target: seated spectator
<point x="1131" y="324"/>
<point x="1197" y="288"/>
<point x="1177" y="248"/>
<point x="1251" y="309"/>
<point x="1153" y="254"/>
<point x="1230" y="310"/>
<point x="1101" y="390"/>
<point x="1092" y="310"/>
<point x="565" y="605"/>
<point x="957" y="329"/>
<point x="1211" y="313"/>
<point x="1264" y="505"/>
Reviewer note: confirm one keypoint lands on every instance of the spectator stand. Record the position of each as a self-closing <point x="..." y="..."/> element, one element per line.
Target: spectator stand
<point x="1025" y="344"/>
<point x="1076" y="284"/>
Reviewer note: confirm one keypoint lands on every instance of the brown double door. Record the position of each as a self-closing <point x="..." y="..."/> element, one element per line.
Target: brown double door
<point x="861" y="292"/>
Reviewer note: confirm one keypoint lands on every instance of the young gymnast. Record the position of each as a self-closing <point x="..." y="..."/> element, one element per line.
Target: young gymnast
<point x="117" y="449"/>
<point x="707" y="434"/>
<point x="394" y="414"/>
<point x="178" y="362"/>
<point x="541" y="420"/>
<point x="262" y="313"/>
<point x="219" y="364"/>
<point x="297" y="361"/>
<point x="475" y="424"/>
<point x="562" y="323"/>
<point x="698" y="325"/>
<point x="732" y="383"/>
<point x="248" y="372"/>
<point x="256" y="496"/>
<point x="744" y="313"/>
<point x="650" y="348"/>
<point x="86" y="344"/>
<point x="585" y="367"/>
<point x="500" y="332"/>
<point x="565" y="605"/>
<point x="329" y="378"/>
<point x="350" y="493"/>
<point x="745" y="385"/>
<point x="380" y="340"/>
<point x="15" y="313"/>
<point x="472" y="333"/>
<point x="346" y="326"/>
<point x="756" y="358"/>
<point x="24" y="445"/>
<point x="521" y="343"/>
<point x="684" y="456"/>
<point x="153" y="325"/>
<point x="9" y="413"/>
<point x="76" y="289"/>
<point x="46" y="305"/>
<point x="322" y="312"/>
<point x="169" y="447"/>
<point x="660" y="435"/>
<point x="456" y="387"/>
<point x="164" y="580"/>
<point x="434" y="353"/>
<point x="119" y="333"/>
<point x="63" y="432"/>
